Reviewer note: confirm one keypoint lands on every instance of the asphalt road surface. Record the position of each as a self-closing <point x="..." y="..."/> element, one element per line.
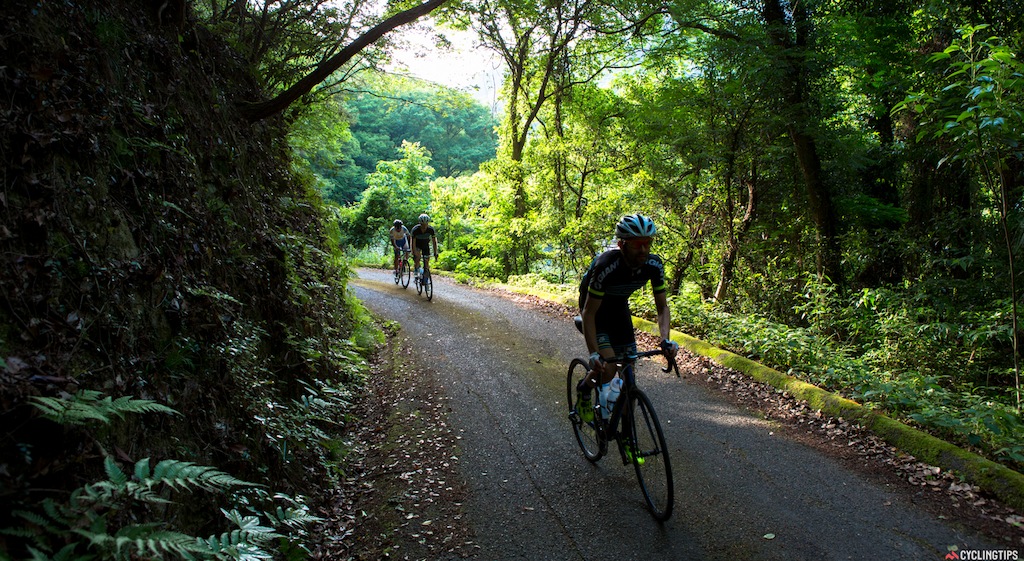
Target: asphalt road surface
<point x="741" y="490"/>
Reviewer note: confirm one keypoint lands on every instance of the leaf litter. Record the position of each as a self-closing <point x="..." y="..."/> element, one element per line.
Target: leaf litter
<point x="401" y="495"/>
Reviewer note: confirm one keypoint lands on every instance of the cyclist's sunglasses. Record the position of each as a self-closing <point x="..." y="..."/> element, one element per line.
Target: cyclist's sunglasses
<point x="638" y="243"/>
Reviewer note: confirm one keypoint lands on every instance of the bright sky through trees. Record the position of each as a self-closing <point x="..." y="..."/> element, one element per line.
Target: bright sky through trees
<point x="463" y="65"/>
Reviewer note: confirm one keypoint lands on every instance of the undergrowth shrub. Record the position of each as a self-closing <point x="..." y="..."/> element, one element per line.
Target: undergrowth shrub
<point x="450" y="259"/>
<point x="479" y="269"/>
<point x="887" y="362"/>
<point x="541" y="283"/>
<point x="130" y="515"/>
<point x="373" y="257"/>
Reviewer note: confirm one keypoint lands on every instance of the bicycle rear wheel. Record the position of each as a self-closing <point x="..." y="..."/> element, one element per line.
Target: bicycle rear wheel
<point x="649" y="455"/>
<point x="428" y="284"/>
<point x="587" y="435"/>
<point x="406" y="273"/>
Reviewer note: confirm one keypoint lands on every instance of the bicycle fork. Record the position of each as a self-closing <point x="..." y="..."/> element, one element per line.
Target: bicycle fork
<point x="616" y="427"/>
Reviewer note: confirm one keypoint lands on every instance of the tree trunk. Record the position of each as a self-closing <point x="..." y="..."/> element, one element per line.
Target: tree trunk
<point x="735" y="235"/>
<point x="261" y="110"/>
<point x="794" y="83"/>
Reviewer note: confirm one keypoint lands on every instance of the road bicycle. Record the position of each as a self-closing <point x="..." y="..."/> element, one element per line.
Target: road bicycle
<point x="404" y="271"/>
<point x="424" y="284"/>
<point x="632" y="424"/>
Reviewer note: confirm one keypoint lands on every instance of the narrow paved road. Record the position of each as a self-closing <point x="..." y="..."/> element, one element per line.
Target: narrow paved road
<point x="742" y="491"/>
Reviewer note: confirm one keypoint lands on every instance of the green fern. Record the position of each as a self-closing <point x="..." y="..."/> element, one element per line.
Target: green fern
<point x="81" y="528"/>
<point x="292" y="517"/>
<point x="186" y="475"/>
<point x="146" y="483"/>
<point x="246" y="542"/>
<point x="85" y="519"/>
<point x="91" y="405"/>
<point x="65" y="554"/>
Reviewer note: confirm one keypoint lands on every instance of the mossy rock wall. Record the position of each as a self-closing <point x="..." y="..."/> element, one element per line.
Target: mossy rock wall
<point x="154" y="244"/>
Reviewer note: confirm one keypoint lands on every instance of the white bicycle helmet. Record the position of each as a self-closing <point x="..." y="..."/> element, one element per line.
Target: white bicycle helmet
<point x="424" y="219"/>
<point x="635" y="226"/>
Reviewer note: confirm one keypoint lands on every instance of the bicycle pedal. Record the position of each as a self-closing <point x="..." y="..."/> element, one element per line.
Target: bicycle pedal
<point x="632" y="457"/>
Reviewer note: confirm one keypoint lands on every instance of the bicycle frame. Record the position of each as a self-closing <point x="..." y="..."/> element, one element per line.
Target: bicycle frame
<point x="627" y="373"/>
<point x="404" y="271"/>
<point x="632" y="423"/>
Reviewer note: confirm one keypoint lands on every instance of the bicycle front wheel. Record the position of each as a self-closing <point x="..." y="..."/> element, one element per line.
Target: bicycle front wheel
<point x="428" y="284"/>
<point x="649" y="455"/>
<point x="584" y="418"/>
<point x="406" y="273"/>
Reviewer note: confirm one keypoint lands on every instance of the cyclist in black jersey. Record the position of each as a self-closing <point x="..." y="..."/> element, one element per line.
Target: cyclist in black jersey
<point x="612" y="277"/>
<point x="423" y="236"/>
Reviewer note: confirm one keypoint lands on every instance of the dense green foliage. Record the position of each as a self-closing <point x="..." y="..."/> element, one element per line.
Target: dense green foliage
<point x="840" y="187"/>
<point x="365" y="126"/>
<point x="160" y="254"/>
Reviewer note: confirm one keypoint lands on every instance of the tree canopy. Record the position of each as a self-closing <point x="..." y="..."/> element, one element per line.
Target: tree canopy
<point x="839" y="190"/>
<point x="850" y="169"/>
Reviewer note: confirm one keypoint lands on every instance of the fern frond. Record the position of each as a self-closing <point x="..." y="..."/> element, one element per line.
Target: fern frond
<point x="144" y="485"/>
<point x="157" y="544"/>
<point x="103" y="492"/>
<point x="127" y="404"/>
<point x="55" y="511"/>
<point x="30" y="517"/>
<point x="90" y="405"/>
<point x="68" y="411"/>
<point x="23" y="533"/>
<point x="292" y="517"/>
<point x="239" y="544"/>
<point x="67" y="553"/>
<point x="177" y="474"/>
<point x="141" y="470"/>
<point x="212" y="293"/>
<point x="145" y="541"/>
<point x="248" y="523"/>
<point x="114" y="472"/>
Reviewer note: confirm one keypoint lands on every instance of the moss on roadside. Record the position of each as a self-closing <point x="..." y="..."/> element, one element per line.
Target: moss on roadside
<point x="1004" y="483"/>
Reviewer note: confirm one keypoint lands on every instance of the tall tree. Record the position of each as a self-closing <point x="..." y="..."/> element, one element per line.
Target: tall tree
<point x="539" y="42"/>
<point x="256" y="111"/>
<point x="789" y="29"/>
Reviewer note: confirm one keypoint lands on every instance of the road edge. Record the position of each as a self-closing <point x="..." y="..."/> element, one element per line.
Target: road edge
<point x="1002" y="482"/>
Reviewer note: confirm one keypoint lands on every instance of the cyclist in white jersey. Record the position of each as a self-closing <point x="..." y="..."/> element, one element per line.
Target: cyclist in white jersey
<point x="401" y="240"/>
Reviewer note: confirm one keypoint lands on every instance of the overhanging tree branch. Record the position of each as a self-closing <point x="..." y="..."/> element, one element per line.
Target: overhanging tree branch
<point x="255" y="111"/>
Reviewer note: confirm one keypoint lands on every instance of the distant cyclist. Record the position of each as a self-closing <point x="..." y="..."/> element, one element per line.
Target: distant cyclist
<point x="401" y="240"/>
<point x="604" y="298"/>
<point x="423" y="236"/>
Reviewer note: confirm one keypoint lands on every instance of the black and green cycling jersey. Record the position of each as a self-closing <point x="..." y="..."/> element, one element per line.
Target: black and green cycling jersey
<point x="421" y="237"/>
<point x="613" y="280"/>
